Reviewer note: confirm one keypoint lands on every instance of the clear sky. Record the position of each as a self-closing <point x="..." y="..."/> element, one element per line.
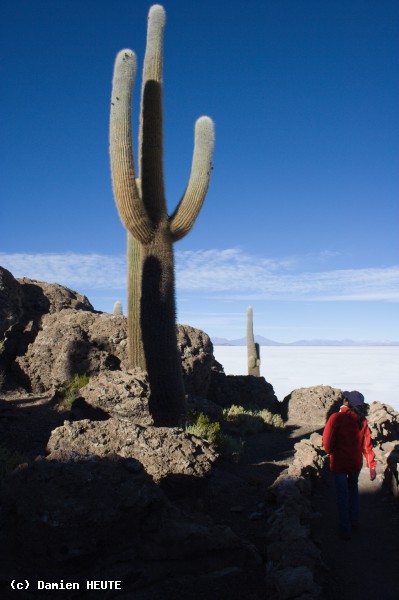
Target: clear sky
<point x="301" y="218"/>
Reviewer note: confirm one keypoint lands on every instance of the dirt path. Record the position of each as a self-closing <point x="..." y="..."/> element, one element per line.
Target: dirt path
<point x="367" y="566"/>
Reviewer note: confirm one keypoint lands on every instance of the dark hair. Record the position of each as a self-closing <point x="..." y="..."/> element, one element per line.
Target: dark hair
<point x="360" y="411"/>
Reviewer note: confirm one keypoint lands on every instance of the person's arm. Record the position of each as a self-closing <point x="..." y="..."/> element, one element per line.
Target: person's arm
<point x="369" y="453"/>
<point x="329" y="435"/>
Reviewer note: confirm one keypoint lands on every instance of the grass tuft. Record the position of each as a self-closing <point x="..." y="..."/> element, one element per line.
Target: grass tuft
<point x="250" y="422"/>
<point x="70" y="391"/>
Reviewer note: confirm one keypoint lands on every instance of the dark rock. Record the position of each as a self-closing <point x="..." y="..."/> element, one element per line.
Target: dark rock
<point x="92" y="516"/>
<point x="242" y="390"/>
<point x="120" y="394"/>
<point x="169" y="455"/>
<point x="196" y="351"/>
<point x="11" y="309"/>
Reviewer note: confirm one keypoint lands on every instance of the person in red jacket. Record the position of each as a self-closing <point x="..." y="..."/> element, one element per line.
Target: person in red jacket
<point x="346" y="438"/>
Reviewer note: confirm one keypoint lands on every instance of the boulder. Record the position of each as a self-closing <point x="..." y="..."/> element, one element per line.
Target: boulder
<point x="311" y="406"/>
<point x="73" y="342"/>
<point x="196" y="351"/>
<point x="242" y="390"/>
<point x="29" y="301"/>
<point x="118" y="394"/>
<point x="309" y="458"/>
<point x="42" y="297"/>
<point x="384" y="422"/>
<point x="11" y="309"/>
<point x="293" y="582"/>
<point x="169" y="455"/>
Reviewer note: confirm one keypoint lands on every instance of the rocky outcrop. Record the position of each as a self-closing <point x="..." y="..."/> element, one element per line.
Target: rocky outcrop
<point x="384" y="430"/>
<point x="309" y="458"/>
<point x="391" y="474"/>
<point x="196" y="351"/>
<point x="242" y="390"/>
<point x="311" y="406"/>
<point x="73" y="342"/>
<point x="293" y="557"/>
<point x="42" y="297"/>
<point x="80" y="519"/>
<point x="384" y="422"/>
<point x="118" y="394"/>
<point x="11" y="309"/>
<point x="167" y="454"/>
<point x="23" y="304"/>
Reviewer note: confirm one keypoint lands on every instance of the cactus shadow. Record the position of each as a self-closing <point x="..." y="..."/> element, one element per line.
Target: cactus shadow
<point x="160" y="344"/>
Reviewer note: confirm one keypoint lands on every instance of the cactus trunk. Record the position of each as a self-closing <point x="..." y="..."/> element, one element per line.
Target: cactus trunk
<point x="151" y="232"/>
<point x="158" y="330"/>
<point x="253" y="349"/>
<point x="134" y="272"/>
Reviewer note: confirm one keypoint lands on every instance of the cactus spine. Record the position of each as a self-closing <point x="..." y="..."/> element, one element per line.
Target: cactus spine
<point x="253" y="349"/>
<point x="151" y="232"/>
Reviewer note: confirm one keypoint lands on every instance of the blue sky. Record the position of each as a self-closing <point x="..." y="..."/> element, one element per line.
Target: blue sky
<point x="301" y="217"/>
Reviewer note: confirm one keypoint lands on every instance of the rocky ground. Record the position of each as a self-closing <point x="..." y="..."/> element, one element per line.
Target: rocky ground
<point x="234" y="497"/>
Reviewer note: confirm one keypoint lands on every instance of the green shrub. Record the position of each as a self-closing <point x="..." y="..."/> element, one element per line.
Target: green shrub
<point x="249" y="421"/>
<point x="70" y="390"/>
<point x="226" y="445"/>
<point x="9" y="460"/>
<point x="204" y="428"/>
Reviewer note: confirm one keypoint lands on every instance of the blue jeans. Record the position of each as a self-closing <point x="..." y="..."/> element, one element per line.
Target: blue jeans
<point x="346" y="486"/>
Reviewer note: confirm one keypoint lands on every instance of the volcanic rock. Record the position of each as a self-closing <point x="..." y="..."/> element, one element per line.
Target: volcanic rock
<point x="312" y="406"/>
<point x="165" y="453"/>
<point x="242" y="390"/>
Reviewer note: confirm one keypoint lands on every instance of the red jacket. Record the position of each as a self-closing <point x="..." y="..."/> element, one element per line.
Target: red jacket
<point x="346" y="443"/>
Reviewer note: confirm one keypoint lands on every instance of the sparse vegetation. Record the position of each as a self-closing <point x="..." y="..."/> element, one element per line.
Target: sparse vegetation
<point x="226" y="445"/>
<point x="2" y="379"/>
<point x="70" y="391"/>
<point x="9" y="460"/>
<point x="250" y="422"/>
<point x="203" y="427"/>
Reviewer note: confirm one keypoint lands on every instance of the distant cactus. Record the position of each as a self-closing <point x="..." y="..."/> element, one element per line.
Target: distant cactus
<point x="253" y="349"/>
<point x="151" y="232"/>
<point x="118" y="309"/>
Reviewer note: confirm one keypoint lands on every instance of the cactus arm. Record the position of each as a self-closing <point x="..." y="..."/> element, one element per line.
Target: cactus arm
<point x="190" y="205"/>
<point x="151" y="119"/>
<point x="127" y="196"/>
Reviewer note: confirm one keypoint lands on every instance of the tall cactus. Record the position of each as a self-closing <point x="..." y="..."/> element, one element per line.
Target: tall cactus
<point x="118" y="309"/>
<point x="253" y="349"/>
<point x="151" y="231"/>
